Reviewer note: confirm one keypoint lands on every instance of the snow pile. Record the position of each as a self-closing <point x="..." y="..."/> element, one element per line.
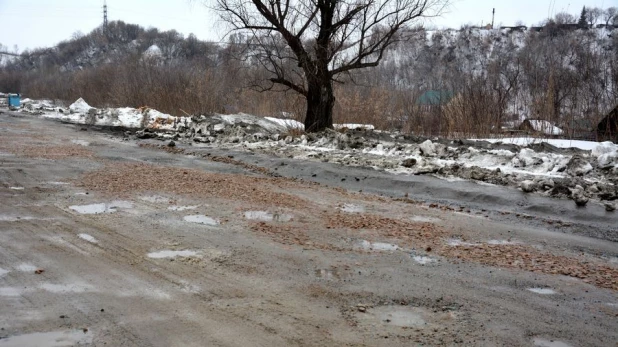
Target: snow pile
<point x="80" y="106"/>
<point x="287" y="123"/>
<point x="354" y="126"/>
<point x="607" y="155"/>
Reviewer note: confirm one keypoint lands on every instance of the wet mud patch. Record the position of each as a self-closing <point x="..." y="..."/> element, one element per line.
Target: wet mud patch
<point x="125" y="179"/>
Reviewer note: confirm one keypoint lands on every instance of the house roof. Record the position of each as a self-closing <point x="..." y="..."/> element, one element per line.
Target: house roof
<point x="435" y="97"/>
<point x="544" y="127"/>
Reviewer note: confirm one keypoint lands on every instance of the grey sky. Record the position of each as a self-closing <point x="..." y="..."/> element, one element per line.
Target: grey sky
<point x="43" y="23"/>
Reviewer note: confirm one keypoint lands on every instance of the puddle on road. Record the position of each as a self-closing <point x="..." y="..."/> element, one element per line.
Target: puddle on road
<point x="265" y="216"/>
<point x="541" y="342"/>
<point x="10" y="291"/>
<point x="66" y="288"/>
<point x="16" y="188"/>
<point x="171" y="254"/>
<point x="328" y="274"/>
<point x="50" y="339"/>
<point x="18" y="218"/>
<point x="423" y="219"/>
<point x="101" y="208"/>
<point x="542" y="291"/>
<point x="88" y="238"/>
<point x="201" y="219"/>
<point x="501" y="242"/>
<point x="378" y="246"/>
<point x="56" y="183"/>
<point x="351" y="208"/>
<point x="155" y="199"/>
<point x="459" y="242"/>
<point x="182" y="208"/>
<point x="423" y="260"/>
<point x="3" y="272"/>
<point x="25" y="267"/>
<point x="80" y="142"/>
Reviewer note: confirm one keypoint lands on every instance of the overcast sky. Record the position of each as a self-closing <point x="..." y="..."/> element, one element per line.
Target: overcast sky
<point x="44" y="23"/>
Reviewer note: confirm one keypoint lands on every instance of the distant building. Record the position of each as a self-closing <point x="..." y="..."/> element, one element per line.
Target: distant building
<point x="580" y="129"/>
<point x="607" y="129"/>
<point x="540" y="127"/>
<point x="432" y="99"/>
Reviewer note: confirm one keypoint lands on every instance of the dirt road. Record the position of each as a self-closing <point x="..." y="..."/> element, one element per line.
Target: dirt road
<point x="106" y="242"/>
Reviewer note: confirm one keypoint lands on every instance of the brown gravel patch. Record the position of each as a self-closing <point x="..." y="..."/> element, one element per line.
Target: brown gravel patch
<point x="291" y="235"/>
<point x="526" y="258"/>
<point x="408" y="232"/>
<point x="55" y="152"/>
<point x="123" y="179"/>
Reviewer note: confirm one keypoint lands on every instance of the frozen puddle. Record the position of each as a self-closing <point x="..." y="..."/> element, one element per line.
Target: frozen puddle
<point x="423" y="259"/>
<point x="501" y="242"/>
<point x="25" y="267"/>
<point x="80" y="142"/>
<point x="101" y="208"/>
<point x="543" y="291"/>
<point x="66" y="288"/>
<point x="423" y="219"/>
<point x="540" y="342"/>
<point x="10" y="291"/>
<point x="267" y="216"/>
<point x="182" y="208"/>
<point x="378" y="246"/>
<point x="459" y="242"/>
<point x="16" y="188"/>
<point x="50" y="339"/>
<point x="88" y="238"/>
<point x="3" y="272"/>
<point x="351" y="208"/>
<point x="155" y="199"/>
<point x="201" y="219"/>
<point x="171" y="254"/>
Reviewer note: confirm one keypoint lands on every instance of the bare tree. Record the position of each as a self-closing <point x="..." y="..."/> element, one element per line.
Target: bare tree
<point x="324" y="39"/>
<point x="609" y="15"/>
<point x="565" y="18"/>
<point x="593" y="15"/>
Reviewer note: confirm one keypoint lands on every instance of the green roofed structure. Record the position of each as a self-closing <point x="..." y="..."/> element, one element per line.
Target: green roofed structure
<point x="435" y="98"/>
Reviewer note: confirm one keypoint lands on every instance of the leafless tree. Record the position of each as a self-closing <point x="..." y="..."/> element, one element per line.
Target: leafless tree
<point x="324" y="39"/>
<point x="610" y="15"/>
<point x="593" y="15"/>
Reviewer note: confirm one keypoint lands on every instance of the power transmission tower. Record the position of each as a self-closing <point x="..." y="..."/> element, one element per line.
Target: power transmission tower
<point x="105" y="15"/>
<point x="493" y="15"/>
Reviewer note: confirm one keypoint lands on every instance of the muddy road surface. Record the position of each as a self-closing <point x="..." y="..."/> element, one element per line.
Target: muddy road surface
<point x="123" y="243"/>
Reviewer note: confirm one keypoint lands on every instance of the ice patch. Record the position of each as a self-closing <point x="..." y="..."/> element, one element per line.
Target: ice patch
<point x="155" y="199"/>
<point x="458" y="242"/>
<point x="501" y="242"/>
<point x="10" y="291"/>
<point x="80" y="142"/>
<point x="423" y="260"/>
<point x="56" y="183"/>
<point x="16" y="188"/>
<point x="267" y="216"/>
<point x="182" y="208"/>
<point x="423" y="219"/>
<point x="351" y="208"/>
<point x="540" y="342"/>
<point x="171" y="254"/>
<point x="3" y="272"/>
<point x="66" y="288"/>
<point x="101" y="208"/>
<point x="25" y="267"/>
<point x="50" y="339"/>
<point x="88" y="238"/>
<point x="201" y="219"/>
<point x="543" y="291"/>
<point x="378" y="246"/>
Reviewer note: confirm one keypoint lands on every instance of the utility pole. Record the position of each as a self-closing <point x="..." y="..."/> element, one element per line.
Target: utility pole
<point x="493" y="15"/>
<point x="105" y="15"/>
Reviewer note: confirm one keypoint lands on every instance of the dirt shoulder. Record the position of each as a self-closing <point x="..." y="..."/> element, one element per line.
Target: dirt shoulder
<point x="106" y="241"/>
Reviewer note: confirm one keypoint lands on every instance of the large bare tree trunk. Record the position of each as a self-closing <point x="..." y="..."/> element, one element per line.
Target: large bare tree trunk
<point x="320" y="103"/>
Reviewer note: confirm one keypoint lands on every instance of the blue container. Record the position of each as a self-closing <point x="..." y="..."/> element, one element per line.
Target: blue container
<point x="14" y="100"/>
